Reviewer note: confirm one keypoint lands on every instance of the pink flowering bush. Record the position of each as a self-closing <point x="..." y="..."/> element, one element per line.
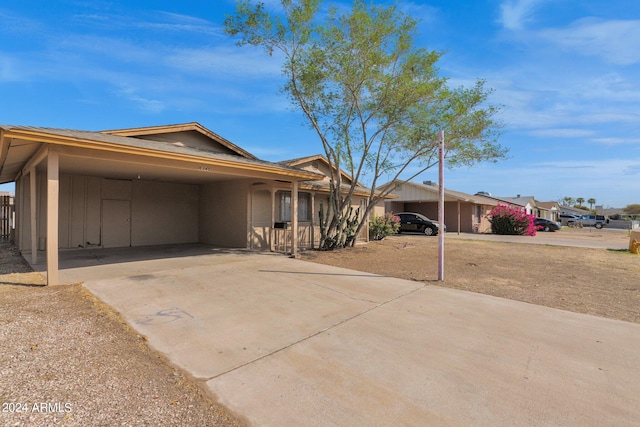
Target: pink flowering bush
<point x="383" y="226"/>
<point x="511" y="220"/>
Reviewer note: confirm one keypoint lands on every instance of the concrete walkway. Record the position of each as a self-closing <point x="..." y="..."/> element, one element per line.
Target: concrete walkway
<point x="285" y="342"/>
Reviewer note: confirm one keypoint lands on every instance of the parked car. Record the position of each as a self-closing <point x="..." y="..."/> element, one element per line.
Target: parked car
<point x="569" y="219"/>
<point x="597" y="221"/>
<point x="544" y="224"/>
<point x="410" y="221"/>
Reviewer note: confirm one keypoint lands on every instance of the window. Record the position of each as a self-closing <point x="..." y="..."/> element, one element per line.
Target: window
<point x="304" y="206"/>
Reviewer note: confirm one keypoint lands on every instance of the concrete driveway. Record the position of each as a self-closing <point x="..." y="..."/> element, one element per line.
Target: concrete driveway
<point x="286" y="342"/>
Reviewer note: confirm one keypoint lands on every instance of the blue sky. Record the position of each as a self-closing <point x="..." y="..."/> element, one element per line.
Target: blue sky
<point x="567" y="73"/>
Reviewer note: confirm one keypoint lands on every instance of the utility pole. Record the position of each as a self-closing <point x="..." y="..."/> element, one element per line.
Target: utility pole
<point x="441" y="209"/>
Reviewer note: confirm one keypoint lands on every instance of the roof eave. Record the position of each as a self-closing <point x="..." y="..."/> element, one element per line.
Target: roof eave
<point x="193" y="126"/>
<point x="43" y="137"/>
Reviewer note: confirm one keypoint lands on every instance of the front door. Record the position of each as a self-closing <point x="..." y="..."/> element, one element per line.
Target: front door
<point x="116" y="223"/>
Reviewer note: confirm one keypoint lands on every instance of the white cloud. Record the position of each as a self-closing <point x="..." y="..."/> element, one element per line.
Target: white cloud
<point x="615" y="41"/>
<point x="145" y="104"/>
<point x="616" y="141"/>
<point x="611" y="86"/>
<point x="231" y="61"/>
<point x="562" y="133"/>
<point x="423" y="13"/>
<point x="603" y="180"/>
<point x="514" y="14"/>
<point x="9" y="70"/>
<point x="15" y="24"/>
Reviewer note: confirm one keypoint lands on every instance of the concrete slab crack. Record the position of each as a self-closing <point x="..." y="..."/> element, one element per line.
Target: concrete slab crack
<point x="355" y="316"/>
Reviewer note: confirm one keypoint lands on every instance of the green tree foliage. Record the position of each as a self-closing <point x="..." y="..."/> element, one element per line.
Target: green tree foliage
<point x="633" y="209"/>
<point x="591" y="202"/>
<point x="374" y="98"/>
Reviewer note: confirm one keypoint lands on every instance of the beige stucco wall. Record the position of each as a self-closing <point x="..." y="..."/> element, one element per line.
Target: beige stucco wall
<point x="80" y="210"/>
<point x="260" y="234"/>
<point x="157" y="213"/>
<point x="319" y="166"/>
<point x="222" y="214"/>
<point x="378" y="209"/>
<point x="164" y="213"/>
<point x="412" y="192"/>
<point x="393" y="206"/>
<point x="356" y="202"/>
<point x="190" y="139"/>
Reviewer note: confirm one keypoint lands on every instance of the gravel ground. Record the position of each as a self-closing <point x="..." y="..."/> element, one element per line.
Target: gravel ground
<point x="67" y="359"/>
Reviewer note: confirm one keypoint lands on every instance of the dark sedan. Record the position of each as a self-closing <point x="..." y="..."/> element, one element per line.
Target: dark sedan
<point x="543" y="224"/>
<point x="410" y="221"/>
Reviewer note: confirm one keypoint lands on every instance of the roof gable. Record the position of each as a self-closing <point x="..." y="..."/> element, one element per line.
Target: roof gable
<point x="549" y="205"/>
<point x="410" y="191"/>
<point x="192" y="135"/>
<point x="316" y="163"/>
<point x="522" y="201"/>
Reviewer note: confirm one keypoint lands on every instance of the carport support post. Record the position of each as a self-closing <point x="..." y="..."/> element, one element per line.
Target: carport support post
<point x="33" y="213"/>
<point x="272" y="232"/>
<point x="53" y="189"/>
<point x="294" y="219"/>
<point x="458" y="217"/>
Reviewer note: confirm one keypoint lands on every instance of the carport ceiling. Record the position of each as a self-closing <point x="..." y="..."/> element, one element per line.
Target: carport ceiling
<point x="118" y="166"/>
<point x="131" y="169"/>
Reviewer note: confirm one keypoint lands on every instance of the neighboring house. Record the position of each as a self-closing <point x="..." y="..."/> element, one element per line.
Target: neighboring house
<point x="573" y="211"/>
<point x="528" y="203"/>
<point x="549" y="210"/>
<point x="463" y="212"/>
<point x="150" y="186"/>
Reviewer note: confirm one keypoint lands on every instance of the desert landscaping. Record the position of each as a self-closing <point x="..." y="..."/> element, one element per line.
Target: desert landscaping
<point x="599" y="282"/>
<point x="71" y="336"/>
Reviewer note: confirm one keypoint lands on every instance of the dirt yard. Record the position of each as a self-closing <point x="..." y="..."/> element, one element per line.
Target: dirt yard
<point x="69" y="359"/>
<point x="599" y="282"/>
<point x="63" y="346"/>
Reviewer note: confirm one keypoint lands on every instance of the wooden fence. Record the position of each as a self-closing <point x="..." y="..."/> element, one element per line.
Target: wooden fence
<point x="6" y="218"/>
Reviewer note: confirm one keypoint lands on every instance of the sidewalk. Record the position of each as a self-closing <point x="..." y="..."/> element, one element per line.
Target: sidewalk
<point x="584" y="237"/>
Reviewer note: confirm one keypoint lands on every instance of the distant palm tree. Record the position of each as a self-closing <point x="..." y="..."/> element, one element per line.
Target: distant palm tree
<point x="580" y="200"/>
<point x="591" y="202"/>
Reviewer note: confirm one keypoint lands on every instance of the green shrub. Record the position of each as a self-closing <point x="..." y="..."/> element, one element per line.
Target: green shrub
<point x="383" y="226"/>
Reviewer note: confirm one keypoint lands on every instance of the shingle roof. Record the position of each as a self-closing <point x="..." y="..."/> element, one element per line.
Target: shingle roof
<point x="99" y="139"/>
<point x="458" y="195"/>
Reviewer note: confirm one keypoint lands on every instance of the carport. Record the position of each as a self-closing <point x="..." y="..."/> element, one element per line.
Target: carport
<point x="133" y="187"/>
<point x="463" y="212"/>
